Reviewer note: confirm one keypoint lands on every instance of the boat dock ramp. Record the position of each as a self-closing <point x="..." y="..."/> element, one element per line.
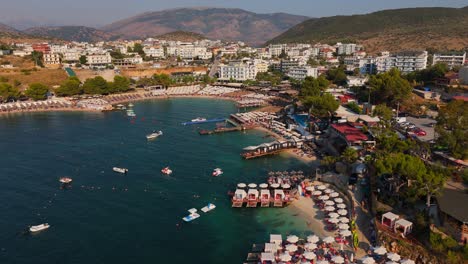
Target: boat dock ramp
<point x="204" y="121"/>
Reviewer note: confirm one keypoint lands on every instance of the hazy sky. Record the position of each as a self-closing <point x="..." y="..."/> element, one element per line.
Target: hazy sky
<point x="100" y="12"/>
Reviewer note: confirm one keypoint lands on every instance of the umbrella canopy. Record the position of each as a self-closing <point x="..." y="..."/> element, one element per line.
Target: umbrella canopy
<point x="292" y="239"/>
<point x="338" y="200"/>
<point x="328" y="191"/>
<point x="291" y="247"/>
<point x="241" y="185"/>
<point x="345" y="233"/>
<point x="310" y="188"/>
<point x="391" y="262"/>
<point x="341" y="206"/>
<point x="321" y="187"/>
<point x="343" y="226"/>
<point x="324" y="197"/>
<point x="252" y="185"/>
<point x="316" y="193"/>
<point x="271" y="173"/>
<point x="286" y="186"/>
<point x="274" y="185"/>
<point x="285" y="256"/>
<point x="328" y="239"/>
<point x="313" y="239"/>
<point x="310" y="246"/>
<point x="367" y="260"/>
<point x="309" y="255"/>
<point x="393" y="256"/>
<point x="380" y="250"/>
<point x="263" y="185"/>
<point x="342" y="212"/>
<point x="330" y="208"/>
<point x="334" y="220"/>
<point x="334" y="194"/>
<point x="323" y="262"/>
<point x="338" y="259"/>
<point x="285" y="172"/>
<point x="407" y="261"/>
<point x="300" y="172"/>
<point x="330" y="203"/>
<point x="333" y="215"/>
<point x="344" y="220"/>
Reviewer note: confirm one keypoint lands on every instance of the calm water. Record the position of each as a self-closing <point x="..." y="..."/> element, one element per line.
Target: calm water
<point x="135" y="218"/>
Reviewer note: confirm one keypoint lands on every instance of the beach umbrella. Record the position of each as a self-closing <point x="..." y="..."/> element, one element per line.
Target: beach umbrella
<point x="329" y="203"/>
<point x="333" y="220"/>
<point x="380" y="250"/>
<point x="344" y="220"/>
<point x="338" y="200"/>
<point x="324" y="197"/>
<point x="407" y="261"/>
<point x="274" y="185"/>
<point x="310" y="188"/>
<point x="241" y="185"/>
<point x="286" y="186"/>
<point x="323" y="262"/>
<point x="293" y="172"/>
<point x="285" y="173"/>
<point x="393" y="256"/>
<point x="252" y="185"/>
<point x="367" y="260"/>
<point x="327" y="191"/>
<point x="321" y="187"/>
<point x="310" y="255"/>
<point x="334" y="194"/>
<point x="263" y="185"/>
<point x="291" y="247"/>
<point x="391" y="262"/>
<point x="333" y="215"/>
<point x="285" y="256"/>
<point x="345" y="233"/>
<point x="310" y="246"/>
<point x="328" y="239"/>
<point x="316" y="193"/>
<point x="342" y="212"/>
<point x="341" y="206"/>
<point x="338" y="259"/>
<point x="343" y="226"/>
<point x="292" y="239"/>
<point x="313" y="239"/>
<point x="278" y="173"/>
<point x="300" y="172"/>
<point x="329" y="208"/>
<point x="271" y="173"/>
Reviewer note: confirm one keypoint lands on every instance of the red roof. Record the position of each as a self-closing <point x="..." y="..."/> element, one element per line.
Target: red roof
<point x="349" y="132"/>
<point x="460" y="97"/>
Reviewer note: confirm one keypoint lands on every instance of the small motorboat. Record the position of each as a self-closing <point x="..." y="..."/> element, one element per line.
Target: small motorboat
<point x="166" y="171"/>
<point x="154" y="135"/>
<point x="120" y="170"/>
<point x="191" y="217"/>
<point x="217" y="172"/>
<point x="199" y="119"/>
<point x="38" y="228"/>
<point x="65" y="180"/>
<point x="208" y="208"/>
<point x="130" y="105"/>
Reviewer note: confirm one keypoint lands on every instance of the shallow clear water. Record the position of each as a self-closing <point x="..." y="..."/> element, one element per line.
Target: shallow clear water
<point x="135" y="218"/>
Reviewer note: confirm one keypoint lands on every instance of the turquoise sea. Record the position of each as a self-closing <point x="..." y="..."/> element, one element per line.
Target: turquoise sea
<point x="107" y="217"/>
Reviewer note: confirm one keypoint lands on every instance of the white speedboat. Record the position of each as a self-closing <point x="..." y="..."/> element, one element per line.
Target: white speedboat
<point x="154" y="135"/>
<point x="166" y="171"/>
<point x="120" y="170"/>
<point x="208" y="208"/>
<point x="38" y="228"/>
<point x="217" y="172"/>
<point x="199" y="119"/>
<point x="130" y="105"/>
<point x="191" y="217"/>
<point x="65" y="180"/>
<point x="131" y="113"/>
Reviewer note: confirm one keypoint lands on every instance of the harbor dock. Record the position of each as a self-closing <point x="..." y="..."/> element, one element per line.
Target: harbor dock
<point x="204" y="121"/>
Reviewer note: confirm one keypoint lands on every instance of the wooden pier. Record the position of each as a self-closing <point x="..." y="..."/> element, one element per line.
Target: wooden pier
<point x="253" y="155"/>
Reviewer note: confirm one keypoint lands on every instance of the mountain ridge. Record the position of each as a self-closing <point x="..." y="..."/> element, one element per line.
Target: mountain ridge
<point x="71" y="33"/>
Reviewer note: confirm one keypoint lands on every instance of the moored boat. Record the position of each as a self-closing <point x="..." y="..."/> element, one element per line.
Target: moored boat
<point x="120" y="170"/>
<point x="166" y="171"/>
<point x="191" y="217"/>
<point x="208" y="208"/>
<point x="38" y="228"/>
<point x="154" y="135"/>
<point x="65" y="180"/>
<point x="199" y="119"/>
<point x="217" y="172"/>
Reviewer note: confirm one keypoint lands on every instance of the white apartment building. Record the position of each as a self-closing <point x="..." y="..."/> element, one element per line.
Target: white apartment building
<point x="155" y="52"/>
<point x="71" y="55"/>
<point x="408" y="61"/>
<point x="237" y="71"/>
<point x="99" y="59"/>
<point x="346" y="49"/>
<point x="452" y="59"/>
<point x="314" y="51"/>
<point x="356" y="81"/>
<point x="301" y="72"/>
<point x="260" y="65"/>
<point x="51" y="58"/>
<point x="137" y="59"/>
<point x="58" y="49"/>
<point x="275" y="49"/>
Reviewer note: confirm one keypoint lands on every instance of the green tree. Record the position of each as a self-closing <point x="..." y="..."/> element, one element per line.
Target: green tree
<point x="37" y="91"/>
<point x="337" y="76"/>
<point x="349" y="155"/>
<point x="353" y="106"/>
<point x="313" y="86"/>
<point x="162" y="79"/>
<point x="120" y="84"/>
<point x="70" y="87"/>
<point x="138" y="48"/>
<point x="389" y="87"/>
<point x="321" y="106"/>
<point x="384" y="113"/>
<point x="37" y="58"/>
<point x="83" y="60"/>
<point x="8" y="92"/>
<point x="452" y="127"/>
<point x="97" y="85"/>
<point x="328" y="162"/>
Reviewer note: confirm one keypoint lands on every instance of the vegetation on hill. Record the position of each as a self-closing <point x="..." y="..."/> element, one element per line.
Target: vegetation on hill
<point x="439" y="28"/>
<point x="71" y="33"/>
<point x="181" y="36"/>
<point x="452" y="127"/>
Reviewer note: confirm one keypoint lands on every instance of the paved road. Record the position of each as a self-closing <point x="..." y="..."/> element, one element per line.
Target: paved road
<point x="424" y="123"/>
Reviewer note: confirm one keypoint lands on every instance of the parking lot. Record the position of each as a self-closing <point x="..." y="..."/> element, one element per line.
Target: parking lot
<point x="424" y="124"/>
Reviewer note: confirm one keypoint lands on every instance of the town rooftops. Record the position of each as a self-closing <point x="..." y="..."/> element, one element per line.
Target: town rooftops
<point x="349" y="132"/>
<point x="450" y="202"/>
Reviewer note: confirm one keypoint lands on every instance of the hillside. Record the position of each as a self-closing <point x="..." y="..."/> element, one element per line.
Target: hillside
<point x="181" y="36"/>
<point x="71" y="33"/>
<point x="439" y="28"/>
<point x="214" y="23"/>
<point x="7" y="31"/>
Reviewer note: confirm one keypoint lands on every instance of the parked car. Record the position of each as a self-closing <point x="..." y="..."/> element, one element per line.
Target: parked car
<point x="419" y="132"/>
